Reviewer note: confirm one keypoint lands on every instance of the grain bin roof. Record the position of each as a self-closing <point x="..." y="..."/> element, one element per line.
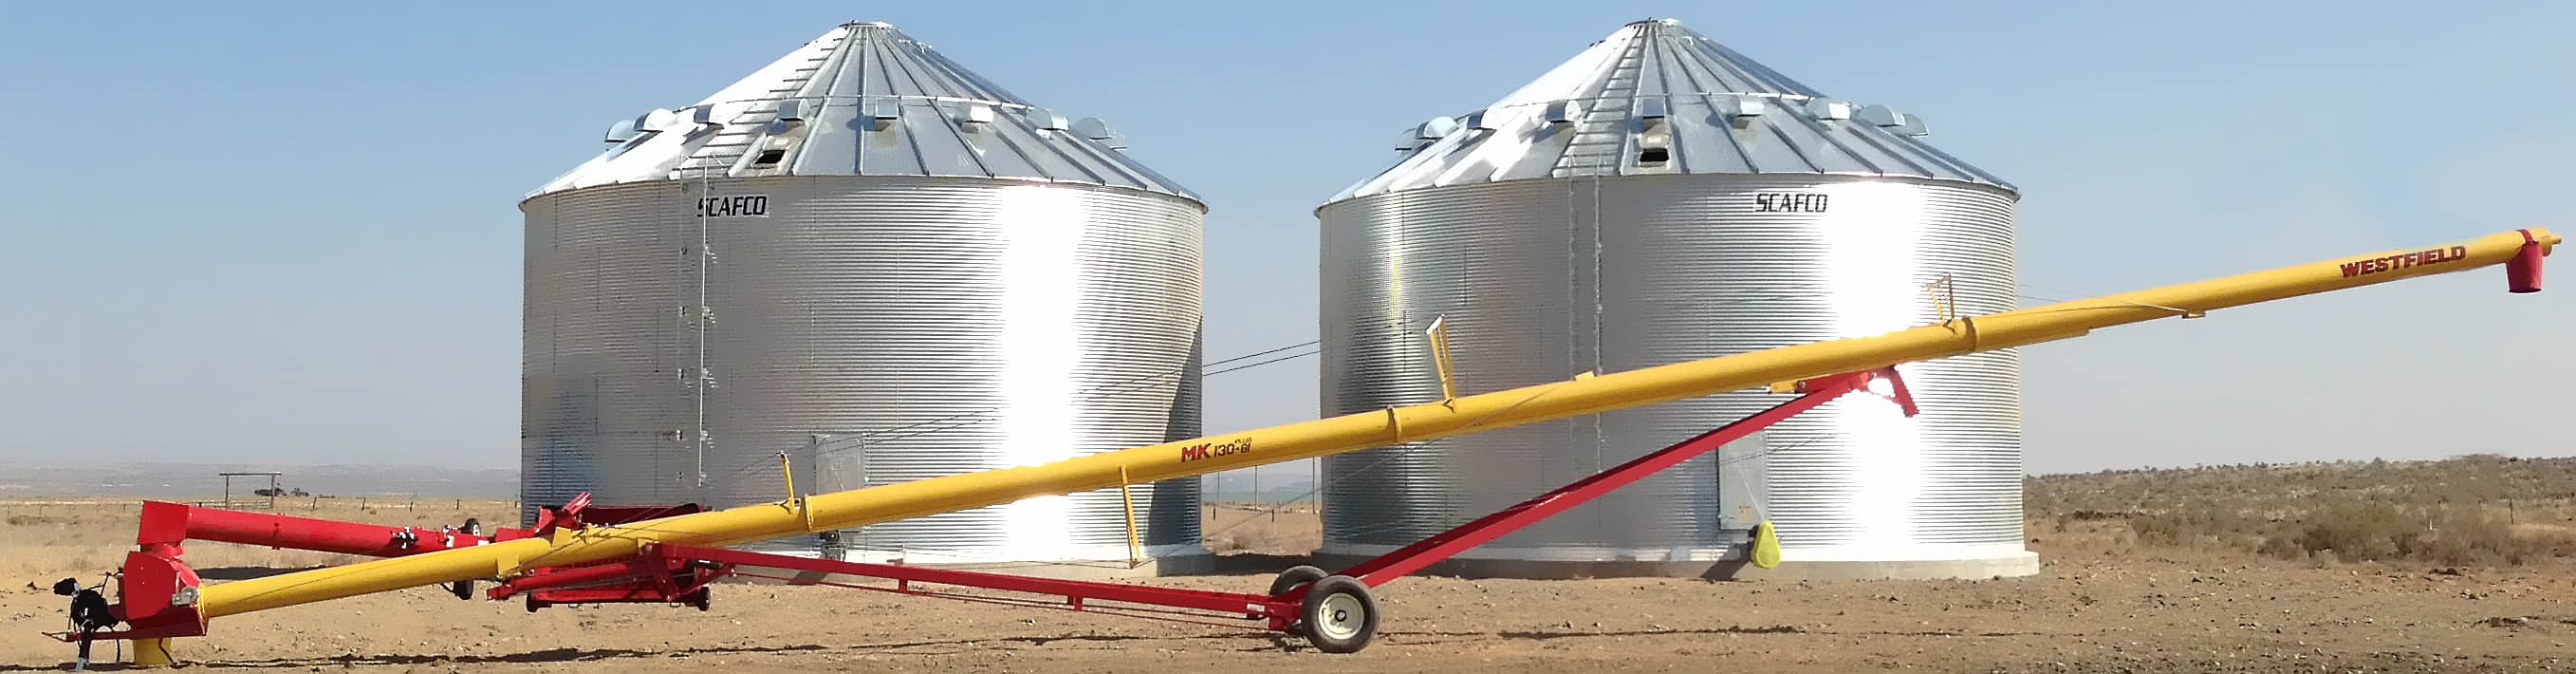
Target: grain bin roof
<point x="1658" y="98"/>
<point x="864" y="100"/>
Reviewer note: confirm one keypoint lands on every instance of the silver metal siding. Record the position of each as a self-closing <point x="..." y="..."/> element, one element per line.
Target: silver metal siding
<point x="905" y="312"/>
<point x="1544" y="279"/>
<point x="604" y="348"/>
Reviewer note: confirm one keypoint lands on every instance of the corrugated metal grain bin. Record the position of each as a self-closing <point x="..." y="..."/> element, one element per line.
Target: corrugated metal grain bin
<point x="888" y="268"/>
<point x="1662" y="198"/>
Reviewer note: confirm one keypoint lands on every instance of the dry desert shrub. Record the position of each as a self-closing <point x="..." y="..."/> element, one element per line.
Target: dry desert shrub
<point x="2479" y="510"/>
<point x="1261" y="528"/>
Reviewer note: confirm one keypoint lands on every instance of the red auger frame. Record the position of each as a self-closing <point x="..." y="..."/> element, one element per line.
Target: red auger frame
<point x="158" y="590"/>
<point x="644" y="580"/>
<point x="679" y="573"/>
<point x="631" y="581"/>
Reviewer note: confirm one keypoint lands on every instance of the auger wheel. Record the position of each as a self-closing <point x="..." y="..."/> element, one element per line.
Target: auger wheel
<point x="1338" y="616"/>
<point x="1295" y="576"/>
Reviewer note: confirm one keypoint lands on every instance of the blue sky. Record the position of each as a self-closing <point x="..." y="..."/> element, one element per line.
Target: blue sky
<point x="289" y="233"/>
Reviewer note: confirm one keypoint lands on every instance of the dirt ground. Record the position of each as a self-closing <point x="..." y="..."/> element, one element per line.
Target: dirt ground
<point x="2097" y="607"/>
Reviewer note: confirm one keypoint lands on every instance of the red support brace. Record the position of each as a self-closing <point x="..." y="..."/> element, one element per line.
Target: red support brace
<point x="1280" y="611"/>
<point x="1074" y="590"/>
<point x="680" y="574"/>
<point x="1467" y="536"/>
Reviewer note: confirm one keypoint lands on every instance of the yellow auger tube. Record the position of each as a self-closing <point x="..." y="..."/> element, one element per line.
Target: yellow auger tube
<point x="1354" y="432"/>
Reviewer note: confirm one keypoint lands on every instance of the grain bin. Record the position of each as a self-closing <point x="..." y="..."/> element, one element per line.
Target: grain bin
<point x="1661" y="198"/>
<point x="884" y="266"/>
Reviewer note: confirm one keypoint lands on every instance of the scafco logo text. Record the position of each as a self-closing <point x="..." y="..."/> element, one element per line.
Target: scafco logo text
<point x="737" y="206"/>
<point x="2401" y="261"/>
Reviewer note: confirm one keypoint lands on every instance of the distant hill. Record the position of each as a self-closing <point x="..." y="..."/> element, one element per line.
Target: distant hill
<point x="2478" y="510"/>
<point x="1291" y="481"/>
<point x="20" y="479"/>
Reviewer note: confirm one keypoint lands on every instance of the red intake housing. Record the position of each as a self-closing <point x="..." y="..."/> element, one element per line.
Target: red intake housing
<point x="2522" y="273"/>
<point x="169" y="523"/>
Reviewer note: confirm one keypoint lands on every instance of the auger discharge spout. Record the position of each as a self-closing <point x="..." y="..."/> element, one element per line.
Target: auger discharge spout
<point x="1466" y="414"/>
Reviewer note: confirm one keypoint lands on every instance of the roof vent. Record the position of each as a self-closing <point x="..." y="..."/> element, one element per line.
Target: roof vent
<point x="1481" y="121"/>
<point x="1829" y="110"/>
<point x="1913" y="126"/>
<point x="1436" y="128"/>
<point x="1098" y="131"/>
<point x="1423" y="134"/>
<point x="1564" y="112"/>
<point x="701" y="115"/>
<point x="1654" y="133"/>
<point x="1651" y="108"/>
<point x="769" y="156"/>
<point x="973" y="117"/>
<point x="1741" y="111"/>
<point x="882" y="115"/>
<point x="789" y="116"/>
<point x="621" y="131"/>
<point x="1894" y="122"/>
<point x="1047" y="120"/>
<point x="657" y="120"/>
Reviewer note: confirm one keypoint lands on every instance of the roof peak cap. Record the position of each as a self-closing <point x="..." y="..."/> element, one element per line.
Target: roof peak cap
<point x="1655" y="97"/>
<point x="864" y="99"/>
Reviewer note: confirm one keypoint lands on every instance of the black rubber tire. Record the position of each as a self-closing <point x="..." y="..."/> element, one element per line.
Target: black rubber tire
<point x="1315" y="615"/>
<point x="463" y="589"/>
<point x="1295" y="576"/>
<point x="699" y="599"/>
<point x="533" y="604"/>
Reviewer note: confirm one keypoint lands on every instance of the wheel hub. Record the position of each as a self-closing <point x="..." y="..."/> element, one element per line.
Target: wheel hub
<point x="1340" y="609"/>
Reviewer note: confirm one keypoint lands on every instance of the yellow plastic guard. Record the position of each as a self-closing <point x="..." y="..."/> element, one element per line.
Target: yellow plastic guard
<point x="152" y="653"/>
<point x="1766" y="546"/>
